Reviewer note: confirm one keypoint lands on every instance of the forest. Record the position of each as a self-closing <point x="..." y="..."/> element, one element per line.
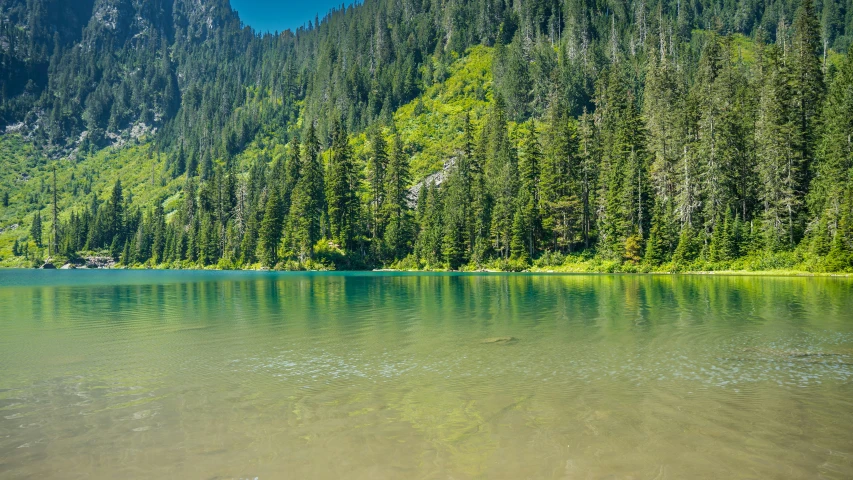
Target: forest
<point x="584" y="135"/>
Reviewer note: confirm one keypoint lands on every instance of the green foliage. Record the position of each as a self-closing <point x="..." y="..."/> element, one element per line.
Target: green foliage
<point x="506" y="141"/>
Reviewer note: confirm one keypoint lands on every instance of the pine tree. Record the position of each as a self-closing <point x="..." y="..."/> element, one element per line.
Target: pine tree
<point x="455" y="215"/>
<point x="377" y="166"/>
<point x="664" y="113"/>
<point x="271" y="227"/>
<point x="624" y="186"/>
<point x="36" y="229"/>
<point x="208" y="245"/>
<point x="428" y="245"/>
<point x="834" y="155"/>
<point x="840" y="256"/>
<point x="126" y="258"/>
<point x="658" y="245"/>
<point x="116" y="214"/>
<point x="723" y="247"/>
<point x="54" y="236"/>
<point x="807" y="90"/>
<point x="589" y="177"/>
<point x="291" y="174"/>
<point x="248" y="245"/>
<point x="776" y="154"/>
<point x="561" y="183"/>
<point x="521" y="243"/>
<point x="527" y="223"/>
<point x="341" y="186"/>
<point x="308" y="202"/>
<point x="502" y="178"/>
<point x="180" y="162"/>
<point x="396" y="209"/>
<point x="689" y="246"/>
<point x="712" y="193"/>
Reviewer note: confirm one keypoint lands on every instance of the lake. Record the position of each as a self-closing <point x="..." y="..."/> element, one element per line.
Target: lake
<point x="219" y="375"/>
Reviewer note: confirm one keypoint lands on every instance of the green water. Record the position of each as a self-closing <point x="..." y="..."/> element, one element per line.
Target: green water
<point x="243" y="375"/>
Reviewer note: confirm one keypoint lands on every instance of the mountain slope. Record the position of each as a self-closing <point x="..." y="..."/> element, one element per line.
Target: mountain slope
<point x="634" y="134"/>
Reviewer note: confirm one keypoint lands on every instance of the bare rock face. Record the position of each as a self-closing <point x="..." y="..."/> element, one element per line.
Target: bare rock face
<point x="99" y="262"/>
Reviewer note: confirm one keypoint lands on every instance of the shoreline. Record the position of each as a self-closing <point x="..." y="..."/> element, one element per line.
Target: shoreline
<point x="531" y="271"/>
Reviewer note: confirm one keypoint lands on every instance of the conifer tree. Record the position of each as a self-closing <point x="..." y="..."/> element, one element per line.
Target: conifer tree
<point x="776" y="154"/>
<point x="589" y="176"/>
<point x="116" y="214"/>
<point x="308" y="202"/>
<point x="36" y="229"/>
<point x="527" y="224"/>
<point x="396" y="209"/>
<point x="501" y="176"/>
<point x="834" y="153"/>
<point x="624" y="185"/>
<point x="664" y="112"/>
<point x="428" y="245"/>
<point x="840" y="256"/>
<point x="458" y="212"/>
<point x="807" y="90"/>
<point x="272" y="227"/>
<point x="291" y="174"/>
<point x="341" y="185"/>
<point x="377" y="166"/>
<point x="659" y="244"/>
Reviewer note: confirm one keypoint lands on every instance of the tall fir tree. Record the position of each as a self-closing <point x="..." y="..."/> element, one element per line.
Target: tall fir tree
<point x="397" y="213"/>
<point x="308" y="201"/>
<point x="341" y="188"/>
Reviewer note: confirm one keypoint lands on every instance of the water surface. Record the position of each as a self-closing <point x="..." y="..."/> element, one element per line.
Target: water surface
<point x="112" y="374"/>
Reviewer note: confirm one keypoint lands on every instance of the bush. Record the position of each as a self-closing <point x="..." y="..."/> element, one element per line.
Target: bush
<point x="408" y="263"/>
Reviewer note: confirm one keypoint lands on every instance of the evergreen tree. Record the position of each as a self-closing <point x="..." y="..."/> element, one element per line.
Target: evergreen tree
<point x="428" y="246"/>
<point x="624" y="185"/>
<point x="776" y="154"/>
<point x="341" y="187"/>
<point x="272" y="227"/>
<point x="308" y="205"/>
<point x="502" y="178"/>
<point x="458" y="231"/>
<point x="659" y="244"/>
<point x="36" y="229"/>
<point x="561" y="183"/>
<point x="377" y="166"/>
<point x="664" y="113"/>
<point x="834" y="155"/>
<point x="807" y="90"/>
<point x="840" y="256"/>
<point x="116" y="215"/>
<point x="526" y="229"/>
<point x="396" y="209"/>
<point x="291" y="174"/>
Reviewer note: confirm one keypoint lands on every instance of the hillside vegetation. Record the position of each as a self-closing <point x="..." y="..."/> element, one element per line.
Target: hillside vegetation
<point x="578" y="136"/>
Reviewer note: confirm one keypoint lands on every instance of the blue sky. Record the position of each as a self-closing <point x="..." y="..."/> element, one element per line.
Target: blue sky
<point x="279" y="15"/>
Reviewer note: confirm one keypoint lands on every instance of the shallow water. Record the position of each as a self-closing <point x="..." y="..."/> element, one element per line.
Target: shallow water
<point x="111" y="374"/>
